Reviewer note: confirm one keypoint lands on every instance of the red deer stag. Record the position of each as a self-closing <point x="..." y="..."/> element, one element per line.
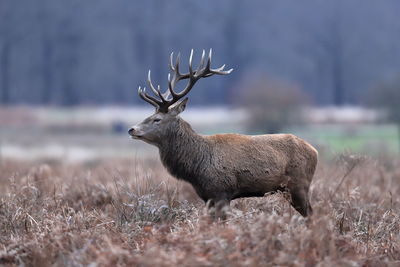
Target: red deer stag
<point x="223" y="167"/>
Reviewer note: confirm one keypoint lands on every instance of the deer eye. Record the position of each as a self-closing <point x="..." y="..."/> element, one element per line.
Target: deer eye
<point x="156" y="120"/>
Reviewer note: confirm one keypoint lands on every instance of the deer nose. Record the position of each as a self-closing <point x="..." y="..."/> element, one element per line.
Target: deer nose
<point x="131" y="131"/>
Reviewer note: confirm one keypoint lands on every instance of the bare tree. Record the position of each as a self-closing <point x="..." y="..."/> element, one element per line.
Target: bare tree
<point x="387" y="98"/>
<point x="327" y="48"/>
<point x="47" y="44"/>
<point x="5" y="51"/>
<point x="272" y="105"/>
<point x="4" y="73"/>
<point x="83" y="52"/>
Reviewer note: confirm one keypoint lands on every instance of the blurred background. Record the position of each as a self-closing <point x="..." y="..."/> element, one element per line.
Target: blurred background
<point x="327" y="71"/>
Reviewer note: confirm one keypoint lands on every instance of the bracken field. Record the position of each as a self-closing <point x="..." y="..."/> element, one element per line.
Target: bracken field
<point x="131" y="212"/>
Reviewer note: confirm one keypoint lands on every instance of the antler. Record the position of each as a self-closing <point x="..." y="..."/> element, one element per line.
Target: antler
<point x="164" y="100"/>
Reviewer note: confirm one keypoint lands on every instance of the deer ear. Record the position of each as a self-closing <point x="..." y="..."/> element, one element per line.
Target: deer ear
<point x="178" y="107"/>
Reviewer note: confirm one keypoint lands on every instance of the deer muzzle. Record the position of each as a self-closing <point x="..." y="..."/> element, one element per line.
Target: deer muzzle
<point x="133" y="132"/>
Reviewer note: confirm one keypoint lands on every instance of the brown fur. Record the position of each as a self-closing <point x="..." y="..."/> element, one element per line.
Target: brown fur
<point x="223" y="167"/>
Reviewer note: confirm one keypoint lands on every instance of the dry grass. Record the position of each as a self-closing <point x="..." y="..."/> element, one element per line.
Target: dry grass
<point x="111" y="213"/>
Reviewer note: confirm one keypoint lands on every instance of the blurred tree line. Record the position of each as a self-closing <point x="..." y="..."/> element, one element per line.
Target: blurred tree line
<point x="386" y="98"/>
<point x="98" y="51"/>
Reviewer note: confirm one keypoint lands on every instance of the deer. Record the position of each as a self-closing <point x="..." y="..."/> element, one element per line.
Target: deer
<point x="223" y="167"/>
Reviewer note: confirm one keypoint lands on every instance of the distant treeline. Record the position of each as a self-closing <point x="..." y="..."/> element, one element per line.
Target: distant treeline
<point x="98" y="51"/>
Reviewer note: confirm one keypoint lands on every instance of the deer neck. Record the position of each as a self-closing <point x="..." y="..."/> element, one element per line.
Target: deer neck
<point x="184" y="152"/>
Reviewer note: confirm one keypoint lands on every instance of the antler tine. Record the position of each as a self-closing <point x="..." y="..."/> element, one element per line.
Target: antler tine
<point x="166" y="95"/>
<point x="190" y="64"/>
<point x="157" y="91"/>
<point x="150" y="83"/>
<point x="143" y="95"/>
<point x="158" y="102"/>
<point x="221" y="70"/>
<point x="161" y="95"/>
<point x="209" y="59"/>
<point x="178" y="57"/>
<point x="171" y="61"/>
<point x="201" y="64"/>
<point x="209" y="71"/>
<point x="171" y="86"/>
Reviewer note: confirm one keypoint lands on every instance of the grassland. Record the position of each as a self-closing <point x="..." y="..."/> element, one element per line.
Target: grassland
<point x="130" y="212"/>
<point x="76" y="134"/>
<point x="372" y="139"/>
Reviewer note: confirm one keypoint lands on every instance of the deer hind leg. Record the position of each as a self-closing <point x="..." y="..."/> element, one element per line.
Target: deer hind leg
<point x="217" y="208"/>
<point x="300" y="200"/>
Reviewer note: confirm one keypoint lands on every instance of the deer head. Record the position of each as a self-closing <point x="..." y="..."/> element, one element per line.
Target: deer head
<point x="171" y="103"/>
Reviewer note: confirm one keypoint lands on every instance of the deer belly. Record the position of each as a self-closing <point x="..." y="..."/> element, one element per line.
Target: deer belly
<point x="251" y="183"/>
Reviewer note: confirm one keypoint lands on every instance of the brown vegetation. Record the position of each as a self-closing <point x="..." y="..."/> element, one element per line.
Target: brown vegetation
<point x="131" y="213"/>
